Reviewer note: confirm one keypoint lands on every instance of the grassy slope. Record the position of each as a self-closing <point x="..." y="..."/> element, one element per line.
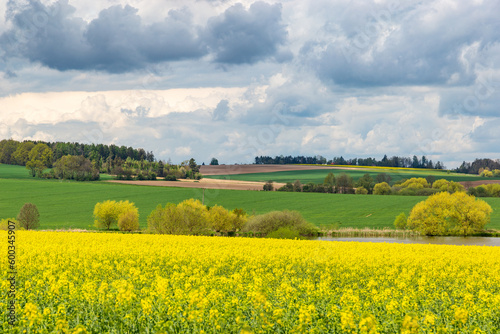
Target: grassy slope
<point x="318" y="175"/>
<point x="70" y="204"/>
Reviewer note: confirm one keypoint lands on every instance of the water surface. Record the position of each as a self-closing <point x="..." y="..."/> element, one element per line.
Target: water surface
<point x="469" y="241"/>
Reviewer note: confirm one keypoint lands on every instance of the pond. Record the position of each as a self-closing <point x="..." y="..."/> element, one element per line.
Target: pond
<point x="468" y="241"/>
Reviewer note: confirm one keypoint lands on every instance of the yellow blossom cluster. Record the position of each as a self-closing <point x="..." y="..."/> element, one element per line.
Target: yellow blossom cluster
<point x="122" y="283"/>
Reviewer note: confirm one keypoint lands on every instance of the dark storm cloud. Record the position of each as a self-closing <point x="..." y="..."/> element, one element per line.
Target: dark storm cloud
<point x="119" y="41"/>
<point x="405" y="44"/>
<point x="116" y="41"/>
<point x="246" y="36"/>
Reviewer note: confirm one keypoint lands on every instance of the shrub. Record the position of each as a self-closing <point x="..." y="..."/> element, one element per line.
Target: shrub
<point x="29" y="217"/>
<point x="449" y="186"/>
<point x="449" y="214"/>
<point x="287" y="187"/>
<point x="284" y="233"/>
<point x="272" y="221"/>
<point x="4" y="224"/>
<point x="268" y="186"/>
<point x="382" y="188"/>
<point x="129" y="221"/>
<point x="408" y="192"/>
<point x="167" y="220"/>
<point x="220" y="219"/>
<point x="400" y="221"/>
<point x="479" y="191"/>
<point x="426" y="191"/>
<point x="361" y="190"/>
<point x="108" y="213"/>
<point x="415" y="183"/>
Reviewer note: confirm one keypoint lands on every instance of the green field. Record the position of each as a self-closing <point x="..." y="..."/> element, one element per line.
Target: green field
<point x="64" y="204"/>
<point x="318" y="175"/>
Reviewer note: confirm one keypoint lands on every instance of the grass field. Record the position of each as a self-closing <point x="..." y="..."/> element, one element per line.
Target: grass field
<point x="318" y="175"/>
<point x="64" y="204"/>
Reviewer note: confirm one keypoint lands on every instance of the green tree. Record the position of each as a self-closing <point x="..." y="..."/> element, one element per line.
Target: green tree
<point x="29" y="217"/>
<point x="415" y="183"/>
<point x="330" y="180"/>
<point x="361" y="190"/>
<point x="383" y="177"/>
<point x="366" y="181"/>
<point x="400" y="221"/>
<point x="21" y="155"/>
<point x="7" y="149"/>
<point x="268" y="186"/>
<point x="214" y="162"/>
<point x="344" y="184"/>
<point x="382" y="188"/>
<point x="40" y="157"/>
<point x="449" y="214"/>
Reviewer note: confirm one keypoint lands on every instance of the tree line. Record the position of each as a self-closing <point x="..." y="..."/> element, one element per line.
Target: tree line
<point x="85" y="162"/>
<point x="478" y="166"/>
<point x="395" y="161"/>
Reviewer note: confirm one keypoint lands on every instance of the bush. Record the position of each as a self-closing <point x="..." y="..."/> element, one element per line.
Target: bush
<point x="449" y="214"/>
<point x="400" y="221"/>
<point x="272" y="221"/>
<point x="415" y="183"/>
<point x="108" y="213"/>
<point x="4" y="224"/>
<point x="382" y="188"/>
<point x="287" y="187"/>
<point x="449" y="186"/>
<point x="479" y="191"/>
<point x="408" y="192"/>
<point x="167" y="220"/>
<point x="268" y="186"/>
<point x="426" y="191"/>
<point x="170" y="177"/>
<point x="29" y="217"/>
<point x="129" y="221"/>
<point x="284" y="233"/>
<point x="361" y="191"/>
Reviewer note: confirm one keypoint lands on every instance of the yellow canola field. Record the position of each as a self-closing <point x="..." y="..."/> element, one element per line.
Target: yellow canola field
<point x="118" y="283"/>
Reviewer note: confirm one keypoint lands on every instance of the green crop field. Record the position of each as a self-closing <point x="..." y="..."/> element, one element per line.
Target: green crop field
<point x="64" y="204"/>
<point x="318" y="175"/>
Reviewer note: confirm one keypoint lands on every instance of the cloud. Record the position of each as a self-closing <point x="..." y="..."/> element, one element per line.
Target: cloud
<point x="246" y="36"/>
<point x="118" y="40"/>
<point x="404" y="44"/>
<point x="221" y="111"/>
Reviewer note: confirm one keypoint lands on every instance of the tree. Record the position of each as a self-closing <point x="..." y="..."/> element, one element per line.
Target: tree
<point x="382" y="188"/>
<point x="400" y="221"/>
<point x="330" y="180"/>
<point x="7" y="149"/>
<point x="366" y="181"/>
<point x="21" y="155"/>
<point x="449" y="214"/>
<point x="29" y="217"/>
<point x="268" y="186"/>
<point x="383" y="177"/>
<point x="108" y="213"/>
<point x="297" y="186"/>
<point x="361" y="190"/>
<point x="40" y="157"/>
<point x="214" y="162"/>
<point x="219" y="219"/>
<point x="344" y="184"/>
<point x="129" y="220"/>
<point x="194" y="166"/>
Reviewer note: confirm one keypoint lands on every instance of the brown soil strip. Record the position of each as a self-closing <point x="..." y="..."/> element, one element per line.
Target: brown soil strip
<point x="203" y="183"/>
<point x="468" y="184"/>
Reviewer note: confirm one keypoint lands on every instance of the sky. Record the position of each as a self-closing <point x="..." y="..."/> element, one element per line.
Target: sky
<point x="239" y="79"/>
